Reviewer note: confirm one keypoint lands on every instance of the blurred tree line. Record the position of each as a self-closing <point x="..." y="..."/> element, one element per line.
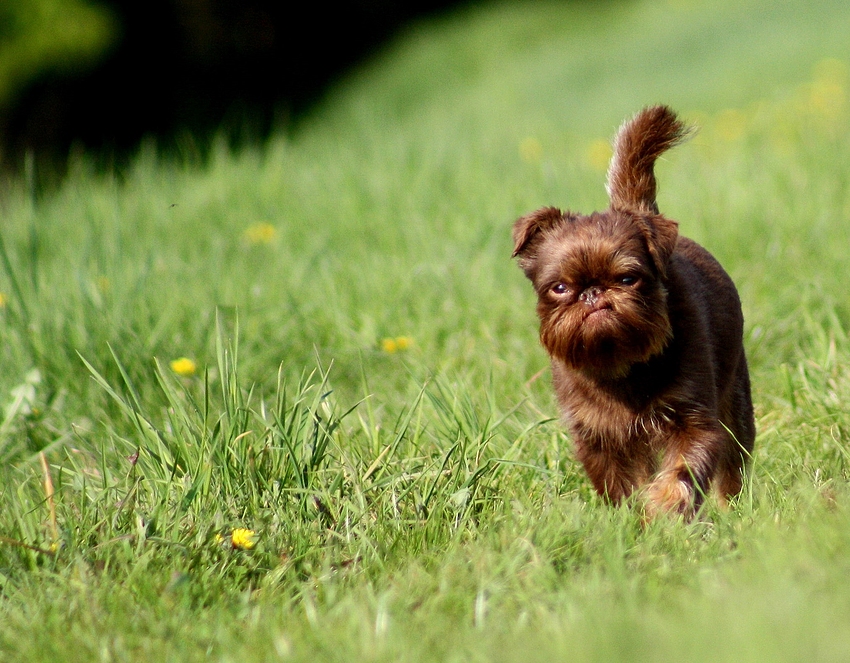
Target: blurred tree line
<point x="103" y="74"/>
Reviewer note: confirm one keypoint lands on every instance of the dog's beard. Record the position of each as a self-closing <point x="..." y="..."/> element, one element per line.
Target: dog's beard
<point x="606" y="341"/>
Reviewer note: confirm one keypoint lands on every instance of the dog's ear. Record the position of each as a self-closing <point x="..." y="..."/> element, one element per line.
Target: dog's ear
<point x="661" y="236"/>
<point x="526" y="227"/>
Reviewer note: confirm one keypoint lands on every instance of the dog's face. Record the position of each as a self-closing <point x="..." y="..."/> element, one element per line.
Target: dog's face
<point x="600" y="283"/>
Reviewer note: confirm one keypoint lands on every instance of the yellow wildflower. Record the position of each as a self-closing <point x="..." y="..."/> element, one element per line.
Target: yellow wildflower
<point x="243" y="539"/>
<point x="389" y="346"/>
<point x="403" y="342"/>
<point x="730" y="124"/>
<point x="397" y="344"/>
<point x="598" y="154"/>
<point x="239" y="538"/>
<point x="827" y="97"/>
<point x="3" y="300"/>
<point x="260" y="233"/>
<point x="828" y="91"/>
<point x="530" y="150"/>
<point x="184" y="367"/>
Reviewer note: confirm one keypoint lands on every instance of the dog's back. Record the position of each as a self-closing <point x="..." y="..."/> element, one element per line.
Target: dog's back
<point x="715" y="307"/>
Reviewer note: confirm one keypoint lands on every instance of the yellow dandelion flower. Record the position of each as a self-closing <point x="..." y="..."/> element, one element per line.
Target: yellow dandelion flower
<point x="260" y="233"/>
<point x="731" y="124"/>
<point x="389" y="345"/>
<point x="598" y="154"/>
<point x="184" y="367"/>
<point x="243" y="539"/>
<point x="827" y="98"/>
<point x="3" y="300"/>
<point x="530" y="150"/>
<point x="239" y="538"/>
<point x="397" y="344"/>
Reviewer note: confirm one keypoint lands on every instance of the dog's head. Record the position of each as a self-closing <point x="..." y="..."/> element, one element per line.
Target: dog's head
<point x="601" y="284"/>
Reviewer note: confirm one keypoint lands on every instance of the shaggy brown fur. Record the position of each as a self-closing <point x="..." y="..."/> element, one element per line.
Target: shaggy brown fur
<point x="644" y="331"/>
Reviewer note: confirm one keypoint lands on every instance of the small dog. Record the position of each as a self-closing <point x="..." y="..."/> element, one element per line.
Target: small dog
<point x="644" y="331"/>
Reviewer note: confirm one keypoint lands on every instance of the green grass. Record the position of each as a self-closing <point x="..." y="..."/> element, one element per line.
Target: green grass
<point x="424" y="504"/>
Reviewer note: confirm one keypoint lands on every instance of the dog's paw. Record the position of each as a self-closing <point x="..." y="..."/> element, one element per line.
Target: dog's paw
<point x="668" y="493"/>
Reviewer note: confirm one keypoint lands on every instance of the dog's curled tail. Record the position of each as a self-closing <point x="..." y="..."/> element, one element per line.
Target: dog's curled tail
<point x="638" y="143"/>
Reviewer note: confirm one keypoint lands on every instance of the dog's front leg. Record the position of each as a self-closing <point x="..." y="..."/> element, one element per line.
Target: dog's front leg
<point x="687" y="468"/>
<point x="616" y="471"/>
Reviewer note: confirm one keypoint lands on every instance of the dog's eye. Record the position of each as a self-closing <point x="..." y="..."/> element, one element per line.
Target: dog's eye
<point x="628" y="280"/>
<point x="559" y="289"/>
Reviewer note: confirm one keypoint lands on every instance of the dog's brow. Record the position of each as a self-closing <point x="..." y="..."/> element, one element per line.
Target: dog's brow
<point x="552" y="273"/>
<point x="622" y="263"/>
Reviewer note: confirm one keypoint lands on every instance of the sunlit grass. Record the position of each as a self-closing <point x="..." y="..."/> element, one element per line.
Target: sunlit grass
<point x="290" y="404"/>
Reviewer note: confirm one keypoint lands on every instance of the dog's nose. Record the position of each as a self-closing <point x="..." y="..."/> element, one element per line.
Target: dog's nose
<point x="590" y="295"/>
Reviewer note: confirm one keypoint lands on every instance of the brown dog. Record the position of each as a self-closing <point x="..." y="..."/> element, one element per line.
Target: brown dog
<point x="644" y="331"/>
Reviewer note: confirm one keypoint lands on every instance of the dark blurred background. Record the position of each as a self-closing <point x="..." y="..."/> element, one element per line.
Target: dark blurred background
<point x="100" y="76"/>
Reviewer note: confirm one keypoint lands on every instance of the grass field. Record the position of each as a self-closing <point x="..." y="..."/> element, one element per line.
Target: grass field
<point x="325" y="342"/>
